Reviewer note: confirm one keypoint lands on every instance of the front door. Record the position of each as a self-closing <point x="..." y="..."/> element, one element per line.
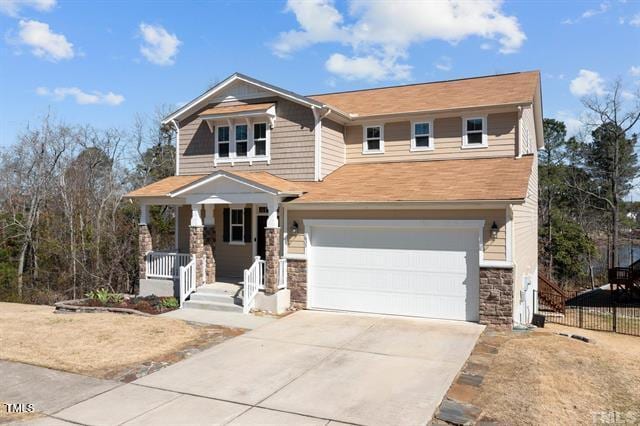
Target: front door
<point x="262" y="223"/>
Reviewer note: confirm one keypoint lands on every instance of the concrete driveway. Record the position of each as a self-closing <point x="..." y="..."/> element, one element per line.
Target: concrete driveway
<point x="308" y="368"/>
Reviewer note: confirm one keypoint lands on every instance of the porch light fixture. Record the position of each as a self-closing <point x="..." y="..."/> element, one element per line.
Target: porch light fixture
<point x="494" y="230"/>
<point x="294" y="227"/>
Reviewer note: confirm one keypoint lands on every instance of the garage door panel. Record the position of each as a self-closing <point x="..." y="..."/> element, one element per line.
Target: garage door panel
<point x="394" y="270"/>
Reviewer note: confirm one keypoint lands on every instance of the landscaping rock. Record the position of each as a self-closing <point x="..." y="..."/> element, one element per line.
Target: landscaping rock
<point x="458" y="414"/>
<point x="470" y="379"/>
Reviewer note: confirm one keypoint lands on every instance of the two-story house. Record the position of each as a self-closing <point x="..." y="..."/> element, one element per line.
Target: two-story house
<point x="416" y="200"/>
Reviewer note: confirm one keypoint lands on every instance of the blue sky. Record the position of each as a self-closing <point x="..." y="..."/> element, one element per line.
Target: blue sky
<point x="102" y="62"/>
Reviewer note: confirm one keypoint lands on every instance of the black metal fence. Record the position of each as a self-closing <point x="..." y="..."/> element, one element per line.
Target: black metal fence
<point x="594" y="310"/>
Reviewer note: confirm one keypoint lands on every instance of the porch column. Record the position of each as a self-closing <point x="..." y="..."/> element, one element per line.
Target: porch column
<point x="145" y="244"/>
<point x="272" y="249"/>
<point x="209" y="243"/>
<point x="196" y="241"/>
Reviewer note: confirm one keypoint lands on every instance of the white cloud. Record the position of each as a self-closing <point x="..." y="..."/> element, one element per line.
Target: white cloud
<point x="635" y="71"/>
<point x="635" y="20"/>
<point x="587" y="83"/>
<point x="81" y="97"/>
<point x="573" y="123"/>
<point x="13" y="7"/>
<point x="486" y="46"/>
<point x="159" y="46"/>
<point x="383" y="32"/>
<point x="603" y="7"/>
<point x="444" y="63"/>
<point x="368" y="68"/>
<point x="43" y="42"/>
<point x="627" y="95"/>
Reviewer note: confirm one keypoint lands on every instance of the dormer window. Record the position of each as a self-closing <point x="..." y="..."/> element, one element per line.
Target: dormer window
<point x="241" y="139"/>
<point x="422" y="135"/>
<point x="260" y="138"/>
<point x="373" y="140"/>
<point x="222" y="141"/>
<point x="474" y="132"/>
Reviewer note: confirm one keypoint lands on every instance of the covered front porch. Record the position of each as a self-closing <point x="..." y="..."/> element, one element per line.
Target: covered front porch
<point x="227" y="230"/>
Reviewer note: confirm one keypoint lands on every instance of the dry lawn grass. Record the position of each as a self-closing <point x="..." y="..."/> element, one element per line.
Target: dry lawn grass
<point x="542" y="378"/>
<point x="95" y="344"/>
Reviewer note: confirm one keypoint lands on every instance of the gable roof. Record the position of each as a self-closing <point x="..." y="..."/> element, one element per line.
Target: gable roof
<point x="504" y="89"/>
<point x="489" y="179"/>
<point x="174" y="185"/>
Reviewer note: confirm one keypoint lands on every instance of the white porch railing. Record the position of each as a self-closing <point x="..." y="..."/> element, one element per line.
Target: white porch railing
<point x="165" y="264"/>
<point x="282" y="274"/>
<point x="253" y="282"/>
<point x="187" y="281"/>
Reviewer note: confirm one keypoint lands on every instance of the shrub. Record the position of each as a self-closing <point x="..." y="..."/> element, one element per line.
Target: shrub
<point x="169" y="303"/>
<point x="116" y="298"/>
<point x="102" y="295"/>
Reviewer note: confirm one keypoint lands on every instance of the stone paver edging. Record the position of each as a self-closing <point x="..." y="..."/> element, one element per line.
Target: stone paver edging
<point x="72" y="306"/>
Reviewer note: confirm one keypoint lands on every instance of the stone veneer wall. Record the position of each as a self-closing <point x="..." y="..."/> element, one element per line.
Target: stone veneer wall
<point x="272" y="259"/>
<point x="496" y="297"/>
<point x="196" y="247"/>
<point x="209" y="249"/>
<point x="145" y="245"/>
<point x="297" y="282"/>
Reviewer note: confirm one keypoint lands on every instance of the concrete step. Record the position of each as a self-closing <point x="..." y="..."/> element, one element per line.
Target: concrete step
<point x="227" y="290"/>
<point x="213" y="297"/>
<point x="212" y="306"/>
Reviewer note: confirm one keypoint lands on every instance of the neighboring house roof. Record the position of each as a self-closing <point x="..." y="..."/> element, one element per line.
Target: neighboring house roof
<point x="438" y="180"/>
<point x="503" y="89"/>
<point x="223" y="110"/>
<point x="171" y="185"/>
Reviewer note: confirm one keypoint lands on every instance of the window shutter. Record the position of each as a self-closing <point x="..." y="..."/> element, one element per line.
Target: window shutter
<point x="247" y="224"/>
<point x="226" y="220"/>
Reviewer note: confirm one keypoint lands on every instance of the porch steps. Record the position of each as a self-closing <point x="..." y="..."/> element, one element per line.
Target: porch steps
<point x="216" y="297"/>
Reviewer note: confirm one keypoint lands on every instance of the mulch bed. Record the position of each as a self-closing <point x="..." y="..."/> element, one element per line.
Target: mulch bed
<point x="150" y="305"/>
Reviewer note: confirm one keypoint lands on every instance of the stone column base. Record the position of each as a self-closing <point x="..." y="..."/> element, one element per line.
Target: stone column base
<point x="145" y="245"/>
<point x="196" y="247"/>
<point x="209" y="248"/>
<point x="496" y="297"/>
<point x="297" y="282"/>
<point x="272" y="259"/>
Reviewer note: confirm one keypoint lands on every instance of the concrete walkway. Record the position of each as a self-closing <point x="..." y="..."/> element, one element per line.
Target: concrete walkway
<point x="226" y="319"/>
<point x="312" y="368"/>
<point x="48" y="390"/>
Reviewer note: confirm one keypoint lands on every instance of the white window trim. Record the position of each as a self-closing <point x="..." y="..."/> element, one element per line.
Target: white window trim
<point x="235" y="142"/>
<point x="365" y="146"/>
<point x="431" y="146"/>
<point x="266" y="141"/>
<point x="485" y="138"/>
<point x="251" y="157"/>
<point x="231" y="225"/>
<point x="217" y="157"/>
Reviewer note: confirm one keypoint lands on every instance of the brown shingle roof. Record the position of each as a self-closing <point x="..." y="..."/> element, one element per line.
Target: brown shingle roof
<point x="476" y="92"/>
<point x="165" y="187"/>
<point x="445" y="180"/>
<point x="237" y="108"/>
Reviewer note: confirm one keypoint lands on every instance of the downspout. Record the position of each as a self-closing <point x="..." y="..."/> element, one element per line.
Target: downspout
<point x="177" y="127"/>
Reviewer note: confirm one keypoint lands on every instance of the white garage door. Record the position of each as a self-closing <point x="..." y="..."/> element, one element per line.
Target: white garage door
<point x="415" y="268"/>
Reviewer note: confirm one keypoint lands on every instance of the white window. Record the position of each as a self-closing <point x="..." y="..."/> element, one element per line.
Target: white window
<point x="422" y="135"/>
<point x="241" y="139"/>
<point x="373" y="140"/>
<point x="237" y="226"/>
<point x="222" y="141"/>
<point x="260" y="139"/>
<point x="474" y="132"/>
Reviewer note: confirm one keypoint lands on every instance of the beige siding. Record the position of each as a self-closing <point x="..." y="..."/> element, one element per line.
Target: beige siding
<point x="525" y="234"/>
<point x="292" y="144"/>
<point x="333" y="148"/>
<point x="493" y="249"/>
<point x="501" y="130"/>
<point x="231" y="259"/>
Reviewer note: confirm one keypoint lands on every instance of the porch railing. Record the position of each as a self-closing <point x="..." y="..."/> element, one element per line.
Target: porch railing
<point x="253" y="282"/>
<point x="165" y="264"/>
<point x="282" y="274"/>
<point x="187" y="281"/>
